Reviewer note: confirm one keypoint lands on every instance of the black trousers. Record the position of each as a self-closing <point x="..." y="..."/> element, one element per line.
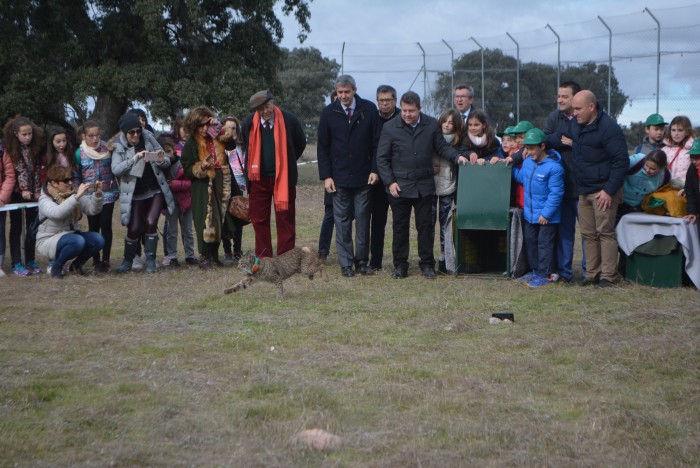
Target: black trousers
<point x="379" y="213"/>
<point x="401" y="212"/>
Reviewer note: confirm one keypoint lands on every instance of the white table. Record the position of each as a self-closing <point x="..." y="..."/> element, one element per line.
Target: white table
<point x="636" y="229"/>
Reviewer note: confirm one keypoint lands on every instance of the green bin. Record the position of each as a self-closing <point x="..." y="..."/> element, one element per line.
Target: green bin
<point x="482" y="221"/>
<point x="659" y="262"/>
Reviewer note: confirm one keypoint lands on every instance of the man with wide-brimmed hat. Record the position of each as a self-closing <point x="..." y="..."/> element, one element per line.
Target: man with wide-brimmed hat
<point x="273" y="139"/>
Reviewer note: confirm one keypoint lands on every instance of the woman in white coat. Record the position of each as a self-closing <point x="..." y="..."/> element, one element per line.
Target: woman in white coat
<point x="60" y="237"/>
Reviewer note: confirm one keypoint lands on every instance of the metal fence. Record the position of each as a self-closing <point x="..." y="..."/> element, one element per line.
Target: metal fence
<point x="655" y="54"/>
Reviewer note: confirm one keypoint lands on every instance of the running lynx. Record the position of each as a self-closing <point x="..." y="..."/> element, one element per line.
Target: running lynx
<point x="302" y="260"/>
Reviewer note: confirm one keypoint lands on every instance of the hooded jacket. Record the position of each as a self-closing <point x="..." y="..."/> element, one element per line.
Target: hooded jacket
<point x="544" y="187"/>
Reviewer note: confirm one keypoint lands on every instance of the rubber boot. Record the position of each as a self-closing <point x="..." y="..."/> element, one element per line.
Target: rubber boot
<point x="215" y="254"/>
<point x="150" y="248"/>
<point x="130" y="246"/>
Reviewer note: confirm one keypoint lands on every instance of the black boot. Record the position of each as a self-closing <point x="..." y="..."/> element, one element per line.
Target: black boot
<point x="130" y="246"/>
<point x="205" y="259"/>
<point x="150" y="248"/>
<point x="215" y="254"/>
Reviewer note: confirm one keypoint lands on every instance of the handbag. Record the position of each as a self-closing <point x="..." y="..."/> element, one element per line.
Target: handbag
<point x="238" y="208"/>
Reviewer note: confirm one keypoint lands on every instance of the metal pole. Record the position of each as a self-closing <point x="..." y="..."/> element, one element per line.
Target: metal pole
<point x="609" y="62"/>
<point x="425" y="74"/>
<point x="558" y="54"/>
<point x="452" y="66"/>
<point x="658" y="54"/>
<point x="483" y="99"/>
<point x="517" y="79"/>
<point x="342" y="60"/>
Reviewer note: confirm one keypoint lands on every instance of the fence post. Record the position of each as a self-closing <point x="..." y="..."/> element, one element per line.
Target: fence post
<point x="609" y="62"/>
<point x="558" y="54"/>
<point x="658" y="54"/>
<point x="452" y="67"/>
<point x="342" y="60"/>
<point x="483" y="84"/>
<point x="517" y="78"/>
<point x="425" y="74"/>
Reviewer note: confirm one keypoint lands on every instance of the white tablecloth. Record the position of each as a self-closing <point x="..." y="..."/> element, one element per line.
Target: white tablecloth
<point x="636" y="229"/>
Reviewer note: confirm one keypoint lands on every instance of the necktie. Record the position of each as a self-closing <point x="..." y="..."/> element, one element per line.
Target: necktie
<point x="349" y="112"/>
<point x="267" y="125"/>
<point x="464" y="117"/>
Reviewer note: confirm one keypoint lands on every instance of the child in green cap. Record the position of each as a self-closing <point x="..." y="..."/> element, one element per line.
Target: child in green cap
<point x="654" y="128"/>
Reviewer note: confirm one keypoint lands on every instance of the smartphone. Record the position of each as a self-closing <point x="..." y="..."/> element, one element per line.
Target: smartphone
<point x="214" y="129"/>
<point x="92" y="188"/>
<point x="151" y="156"/>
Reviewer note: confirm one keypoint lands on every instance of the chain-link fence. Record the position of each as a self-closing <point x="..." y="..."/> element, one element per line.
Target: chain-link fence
<point x="633" y="44"/>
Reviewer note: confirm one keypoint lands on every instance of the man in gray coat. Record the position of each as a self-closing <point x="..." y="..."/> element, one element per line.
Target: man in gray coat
<point x="404" y="161"/>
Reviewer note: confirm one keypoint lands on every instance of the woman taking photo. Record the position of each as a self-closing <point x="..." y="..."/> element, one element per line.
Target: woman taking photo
<point x="59" y="236"/>
<point x="139" y="163"/>
<point x="205" y="163"/>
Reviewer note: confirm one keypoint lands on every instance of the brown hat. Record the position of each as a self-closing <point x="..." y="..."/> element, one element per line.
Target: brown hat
<point x="260" y="98"/>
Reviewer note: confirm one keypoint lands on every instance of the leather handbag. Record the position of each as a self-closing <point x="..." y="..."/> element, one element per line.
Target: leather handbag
<point x="238" y="208"/>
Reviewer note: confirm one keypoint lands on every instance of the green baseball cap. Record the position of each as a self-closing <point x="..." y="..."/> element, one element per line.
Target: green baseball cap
<point x="507" y="131"/>
<point x="523" y="127"/>
<point x="655" y="119"/>
<point x="695" y="149"/>
<point x="534" y="136"/>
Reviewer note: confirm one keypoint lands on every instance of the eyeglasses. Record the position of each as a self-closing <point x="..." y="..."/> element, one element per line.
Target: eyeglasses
<point x="136" y="131"/>
<point x="66" y="181"/>
<point x="204" y="124"/>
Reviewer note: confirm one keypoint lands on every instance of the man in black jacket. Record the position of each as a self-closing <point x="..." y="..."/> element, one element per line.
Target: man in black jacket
<point x="348" y="133"/>
<point x="600" y="165"/>
<point x="405" y="163"/>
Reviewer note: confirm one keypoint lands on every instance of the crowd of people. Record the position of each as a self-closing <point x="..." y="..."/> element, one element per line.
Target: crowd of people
<point x="370" y="158"/>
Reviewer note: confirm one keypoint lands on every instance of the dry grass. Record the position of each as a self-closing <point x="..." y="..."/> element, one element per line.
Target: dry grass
<point x="166" y="370"/>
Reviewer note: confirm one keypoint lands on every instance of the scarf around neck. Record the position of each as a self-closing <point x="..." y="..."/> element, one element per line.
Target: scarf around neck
<point x="281" y="188"/>
<point x="478" y="141"/>
<point x="101" y="152"/>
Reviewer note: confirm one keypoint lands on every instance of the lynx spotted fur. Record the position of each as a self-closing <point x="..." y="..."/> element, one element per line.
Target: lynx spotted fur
<point x="302" y="260"/>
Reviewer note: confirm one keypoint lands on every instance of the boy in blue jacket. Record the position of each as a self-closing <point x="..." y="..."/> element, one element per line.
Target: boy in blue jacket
<point x="542" y="177"/>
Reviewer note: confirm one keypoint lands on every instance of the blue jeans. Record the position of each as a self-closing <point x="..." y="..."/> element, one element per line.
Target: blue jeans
<point x="539" y="246"/>
<point x="79" y="245"/>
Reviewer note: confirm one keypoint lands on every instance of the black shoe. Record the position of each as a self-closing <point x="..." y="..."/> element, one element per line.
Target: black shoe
<point x="347" y="272"/>
<point x="191" y="261"/>
<point x="365" y="270"/>
<point x="375" y="267"/>
<point x="442" y="267"/>
<point x="205" y="264"/>
<point x="80" y="270"/>
<point x="587" y="282"/>
<point x="428" y="272"/>
<point x="604" y="284"/>
<point x="323" y="257"/>
<point x="400" y="272"/>
<point x="57" y="273"/>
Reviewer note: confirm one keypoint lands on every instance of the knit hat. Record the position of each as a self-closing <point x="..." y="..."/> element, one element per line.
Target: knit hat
<point x="128" y="122"/>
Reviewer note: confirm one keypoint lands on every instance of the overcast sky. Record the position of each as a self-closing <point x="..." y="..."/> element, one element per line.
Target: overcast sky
<point x="380" y="42"/>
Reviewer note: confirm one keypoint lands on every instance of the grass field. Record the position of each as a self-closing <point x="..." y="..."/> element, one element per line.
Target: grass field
<point x="165" y="370"/>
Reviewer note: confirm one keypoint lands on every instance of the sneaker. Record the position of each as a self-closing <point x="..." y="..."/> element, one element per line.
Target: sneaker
<point x="19" y="270"/>
<point x="33" y="268"/>
<point x="166" y="261"/>
<point x="191" y="261"/>
<point x="554" y="277"/>
<point x="528" y="277"/>
<point x="228" y="256"/>
<point x="173" y="262"/>
<point x="138" y="262"/>
<point x="539" y="281"/>
<point x="2" y="273"/>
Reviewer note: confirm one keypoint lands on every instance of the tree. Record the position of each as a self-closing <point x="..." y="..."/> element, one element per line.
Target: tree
<point x="170" y="54"/>
<point x="306" y="78"/>
<point x="538" y="86"/>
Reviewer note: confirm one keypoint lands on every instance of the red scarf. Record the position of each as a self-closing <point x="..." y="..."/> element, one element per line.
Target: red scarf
<point x="281" y="190"/>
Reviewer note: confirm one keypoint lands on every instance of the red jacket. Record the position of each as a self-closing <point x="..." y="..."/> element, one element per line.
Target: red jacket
<point x="180" y="186"/>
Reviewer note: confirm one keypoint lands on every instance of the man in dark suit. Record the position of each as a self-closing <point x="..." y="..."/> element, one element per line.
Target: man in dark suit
<point x="348" y="133"/>
<point x="274" y="140"/>
<point x="404" y="160"/>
